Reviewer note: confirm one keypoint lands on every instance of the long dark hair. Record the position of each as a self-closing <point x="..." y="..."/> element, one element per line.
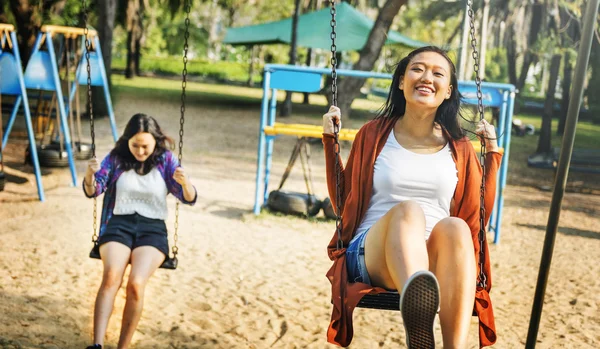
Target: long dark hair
<point x="447" y="113"/>
<point x="141" y="123"/>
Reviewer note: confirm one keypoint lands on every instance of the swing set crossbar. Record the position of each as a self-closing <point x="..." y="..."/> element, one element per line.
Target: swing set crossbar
<point x="315" y="131"/>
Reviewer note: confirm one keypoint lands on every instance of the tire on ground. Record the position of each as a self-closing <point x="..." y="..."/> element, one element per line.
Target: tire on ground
<point x="293" y="203"/>
<point x="2" y="180"/>
<point x="328" y="210"/>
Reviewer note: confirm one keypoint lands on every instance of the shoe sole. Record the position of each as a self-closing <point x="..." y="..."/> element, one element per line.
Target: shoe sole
<point x="419" y="303"/>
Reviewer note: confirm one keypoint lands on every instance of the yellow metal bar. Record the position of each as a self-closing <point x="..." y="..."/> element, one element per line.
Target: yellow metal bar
<point x="314" y="131"/>
<point x="68" y="31"/>
<point x="7" y="27"/>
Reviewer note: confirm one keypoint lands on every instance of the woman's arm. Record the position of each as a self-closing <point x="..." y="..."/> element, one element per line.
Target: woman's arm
<point x="177" y="181"/>
<point x="99" y="174"/>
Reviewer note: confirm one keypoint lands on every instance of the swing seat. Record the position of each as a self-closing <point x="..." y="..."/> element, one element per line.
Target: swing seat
<point x="381" y="301"/>
<point x="169" y="263"/>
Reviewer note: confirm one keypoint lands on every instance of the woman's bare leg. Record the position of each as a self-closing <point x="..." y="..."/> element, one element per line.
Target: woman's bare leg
<point x="114" y="258"/>
<point x="395" y="246"/>
<point x="452" y="260"/>
<point x="144" y="261"/>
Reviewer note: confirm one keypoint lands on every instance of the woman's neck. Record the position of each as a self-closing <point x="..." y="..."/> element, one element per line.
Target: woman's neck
<point x="418" y="124"/>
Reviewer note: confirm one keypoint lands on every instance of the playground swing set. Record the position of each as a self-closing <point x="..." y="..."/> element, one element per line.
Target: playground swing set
<point x="58" y="52"/>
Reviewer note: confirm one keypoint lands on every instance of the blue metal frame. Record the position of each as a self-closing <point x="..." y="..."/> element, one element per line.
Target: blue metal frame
<point x="22" y="98"/>
<point x="32" y="82"/>
<point x="101" y="81"/>
<point x="496" y="95"/>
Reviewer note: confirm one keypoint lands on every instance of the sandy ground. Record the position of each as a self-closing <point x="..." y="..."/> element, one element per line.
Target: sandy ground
<point x="258" y="282"/>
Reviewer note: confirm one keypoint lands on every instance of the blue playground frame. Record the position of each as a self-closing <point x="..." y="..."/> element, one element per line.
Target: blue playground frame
<point x="305" y="79"/>
<point x="41" y="73"/>
<point x="13" y="84"/>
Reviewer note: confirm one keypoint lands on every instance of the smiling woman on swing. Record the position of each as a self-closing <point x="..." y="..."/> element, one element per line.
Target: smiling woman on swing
<point x="410" y="199"/>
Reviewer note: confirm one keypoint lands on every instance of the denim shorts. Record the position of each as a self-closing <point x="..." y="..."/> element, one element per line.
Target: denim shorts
<point x="355" y="259"/>
<point x="134" y="230"/>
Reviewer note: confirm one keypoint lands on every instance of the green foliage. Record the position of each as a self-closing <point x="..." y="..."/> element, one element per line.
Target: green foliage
<point x="496" y="67"/>
<point x="173" y="65"/>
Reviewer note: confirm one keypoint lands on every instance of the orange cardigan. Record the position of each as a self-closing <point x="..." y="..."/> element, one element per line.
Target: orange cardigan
<point x="356" y="187"/>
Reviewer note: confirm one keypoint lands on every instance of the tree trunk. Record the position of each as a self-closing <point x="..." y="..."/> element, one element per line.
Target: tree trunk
<point x="105" y="27"/>
<point x="485" y="22"/>
<point x="309" y="56"/>
<point x="214" y="46"/>
<point x="349" y="88"/>
<point x="537" y="15"/>
<point x="286" y="108"/>
<point x="26" y="27"/>
<point x="133" y="25"/>
<point x="593" y="90"/>
<point x="511" y="55"/>
<point x="545" y="141"/>
<point x="566" y="93"/>
<point x="251" y="68"/>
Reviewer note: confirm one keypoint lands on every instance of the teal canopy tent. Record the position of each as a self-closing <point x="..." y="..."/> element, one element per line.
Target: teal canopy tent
<point x="354" y="25"/>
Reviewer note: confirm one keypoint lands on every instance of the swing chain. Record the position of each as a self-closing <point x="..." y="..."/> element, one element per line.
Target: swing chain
<point x="90" y="110"/>
<point x="336" y="130"/>
<point x="333" y="24"/>
<point x="481" y="279"/>
<point x="187" y="9"/>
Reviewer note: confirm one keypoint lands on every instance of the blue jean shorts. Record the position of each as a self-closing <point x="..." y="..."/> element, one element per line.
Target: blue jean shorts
<point x="355" y="259"/>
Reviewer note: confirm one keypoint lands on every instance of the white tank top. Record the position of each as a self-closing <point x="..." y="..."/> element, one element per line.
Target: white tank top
<point x="142" y="194"/>
<point x="400" y="175"/>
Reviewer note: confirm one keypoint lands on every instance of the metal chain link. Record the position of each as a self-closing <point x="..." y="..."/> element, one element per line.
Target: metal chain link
<point x="187" y="8"/>
<point x="90" y="110"/>
<point x="333" y="24"/>
<point x="336" y="130"/>
<point x="481" y="279"/>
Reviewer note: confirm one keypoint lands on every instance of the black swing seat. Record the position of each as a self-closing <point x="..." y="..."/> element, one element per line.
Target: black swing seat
<point x="169" y="263"/>
<point x="382" y="301"/>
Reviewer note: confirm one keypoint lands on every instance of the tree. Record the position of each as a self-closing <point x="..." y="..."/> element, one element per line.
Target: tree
<point x="26" y="25"/>
<point x="286" y="108"/>
<point x="29" y="15"/>
<point x="133" y="23"/>
<point x="545" y="140"/>
<point x="106" y="10"/>
<point x="349" y="88"/>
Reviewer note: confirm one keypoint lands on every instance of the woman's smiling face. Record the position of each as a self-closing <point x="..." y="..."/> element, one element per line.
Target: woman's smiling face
<point x="426" y="81"/>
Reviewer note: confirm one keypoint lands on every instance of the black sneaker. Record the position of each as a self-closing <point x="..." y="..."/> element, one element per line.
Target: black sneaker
<point x="419" y="304"/>
<point x="95" y="346"/>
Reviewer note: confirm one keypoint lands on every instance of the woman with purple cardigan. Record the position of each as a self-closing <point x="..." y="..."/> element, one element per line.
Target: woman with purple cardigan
<point x="135" y="177"/>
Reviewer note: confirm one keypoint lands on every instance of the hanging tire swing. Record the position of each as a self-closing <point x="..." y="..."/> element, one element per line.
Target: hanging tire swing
<point x="53" y="154"/>
<point x="390" y="300"/>
<point x="169" y="262"/>
<point x="294" y="203"/>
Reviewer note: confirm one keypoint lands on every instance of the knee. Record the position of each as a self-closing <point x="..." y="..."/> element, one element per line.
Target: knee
<point x="407" y="212"/>
<point x="135" y="288"/>
<point x="454" y="233"/>
<point x="111" y="280"/>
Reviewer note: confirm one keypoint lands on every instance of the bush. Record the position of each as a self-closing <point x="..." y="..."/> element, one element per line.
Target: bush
<point x="220" y="71"/>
